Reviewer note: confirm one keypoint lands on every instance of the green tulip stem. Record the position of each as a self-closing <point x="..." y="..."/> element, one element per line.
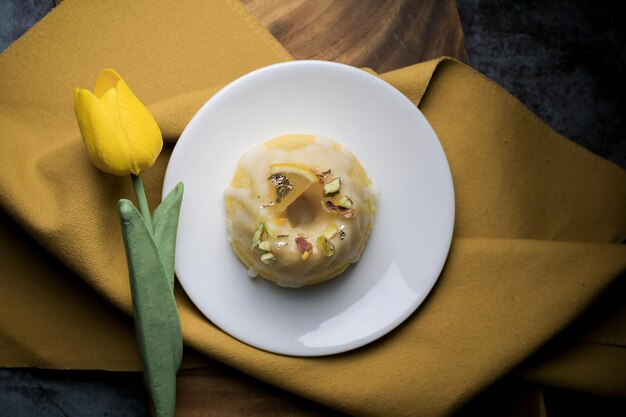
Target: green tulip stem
<point x="142" y="201"/>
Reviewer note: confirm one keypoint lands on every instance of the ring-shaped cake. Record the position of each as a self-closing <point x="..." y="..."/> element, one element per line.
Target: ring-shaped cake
<point x="300" y="209"/>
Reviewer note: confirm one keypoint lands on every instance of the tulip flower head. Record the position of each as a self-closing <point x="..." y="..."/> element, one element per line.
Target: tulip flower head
<point x="120" y="134"/>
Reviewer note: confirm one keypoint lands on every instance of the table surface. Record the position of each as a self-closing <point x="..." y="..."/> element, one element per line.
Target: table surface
<point x="379" y="34"/>
<point x="532" y="49"/>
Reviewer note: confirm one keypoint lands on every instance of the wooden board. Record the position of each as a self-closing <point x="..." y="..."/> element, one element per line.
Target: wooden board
<point x="382" y="35"/>
<point x="379" y="34"/>
<point x="217" y="391"/>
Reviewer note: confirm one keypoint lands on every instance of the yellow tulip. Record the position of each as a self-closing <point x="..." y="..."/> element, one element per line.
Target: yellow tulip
<point x="120" y="134"/>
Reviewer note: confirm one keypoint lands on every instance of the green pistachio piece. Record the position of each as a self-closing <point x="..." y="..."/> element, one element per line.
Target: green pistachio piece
<point x="331" y="231"/>
<point x="345" y="202"/>
<point x="268" y="258"/>
<point x="265" y="245"/>
<point x="325" y="246"/>
<point x="332" y="187"/>
<point x="258" y="235"/>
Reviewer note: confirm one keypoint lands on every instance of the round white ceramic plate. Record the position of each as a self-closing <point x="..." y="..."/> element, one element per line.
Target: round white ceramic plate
<point x="413" y="226"/>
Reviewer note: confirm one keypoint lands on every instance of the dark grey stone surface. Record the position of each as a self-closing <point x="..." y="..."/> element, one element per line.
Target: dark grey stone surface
<point x="17" y="16"/>
<point x="564" y="59"/>
<point x="38" y="392"/>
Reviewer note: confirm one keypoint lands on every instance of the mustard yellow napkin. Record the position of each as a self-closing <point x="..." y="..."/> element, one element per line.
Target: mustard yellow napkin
<point x="537" y="223"/>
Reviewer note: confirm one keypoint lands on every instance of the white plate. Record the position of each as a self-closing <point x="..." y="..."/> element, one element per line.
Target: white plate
<point x="408" y="244"/>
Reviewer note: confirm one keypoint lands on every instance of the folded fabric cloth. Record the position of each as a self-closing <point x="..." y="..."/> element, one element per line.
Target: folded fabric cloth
<point x="535" y="242"/>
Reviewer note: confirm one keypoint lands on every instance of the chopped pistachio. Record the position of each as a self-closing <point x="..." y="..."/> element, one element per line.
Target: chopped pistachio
<point x="332" y="187"/>
<point x="304" y="246"/>
<point x="331" y="207"/>
<point x="345" y="202"/>
<point x="325" y="246"/>
<point x="265" y="245"/>
<point x="268" y="258"/>
<point x="258" y="235"/>
<point x="331" y="231"/>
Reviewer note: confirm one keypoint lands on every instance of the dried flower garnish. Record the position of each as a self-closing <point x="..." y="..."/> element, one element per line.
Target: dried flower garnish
<point x="281" y="184"/>
<point x="345" y="202"/>
<point x="325" y="246"/>
<point x="331" y="207"/>
<point x="332" y="187"/>
<point x="304" y="247"/>
<point x="268" y="258"/>
<point x="331" y="231"/>
<point x="258" y="235"/>
<point x="342" y="232"/>
<point x="265" y="245"/>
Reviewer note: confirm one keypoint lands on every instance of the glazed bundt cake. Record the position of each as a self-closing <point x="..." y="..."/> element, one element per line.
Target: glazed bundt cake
<point x="300" y="209"/>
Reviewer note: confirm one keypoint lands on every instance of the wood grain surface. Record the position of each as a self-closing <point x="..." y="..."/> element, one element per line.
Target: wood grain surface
<point x="217" y="391"/>
<point x="378" y="34"/>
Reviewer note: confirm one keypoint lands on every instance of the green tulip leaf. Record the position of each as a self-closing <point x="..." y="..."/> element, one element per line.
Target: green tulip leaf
<point x="157" y="324"/>
<point x="165" y="224"/>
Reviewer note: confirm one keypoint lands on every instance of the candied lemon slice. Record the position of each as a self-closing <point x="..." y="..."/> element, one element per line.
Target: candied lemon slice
<point x="287" y="182"/>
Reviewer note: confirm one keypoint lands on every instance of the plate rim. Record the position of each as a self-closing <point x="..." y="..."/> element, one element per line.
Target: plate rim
<point x="447" y="240"/>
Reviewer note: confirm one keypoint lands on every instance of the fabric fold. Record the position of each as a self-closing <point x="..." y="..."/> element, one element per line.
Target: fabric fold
<point x="480" y="322"/>
<point x="538" y="217"/>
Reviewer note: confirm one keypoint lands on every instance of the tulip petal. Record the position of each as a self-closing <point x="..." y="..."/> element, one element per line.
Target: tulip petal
<point x="142" y="132"/>
<point x="102" y="135"/>
<point x="107" y="80"/>
<point x="109" y="101"/>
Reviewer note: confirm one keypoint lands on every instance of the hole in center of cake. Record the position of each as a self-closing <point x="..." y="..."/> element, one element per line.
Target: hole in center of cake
<point x="301" y="212"/>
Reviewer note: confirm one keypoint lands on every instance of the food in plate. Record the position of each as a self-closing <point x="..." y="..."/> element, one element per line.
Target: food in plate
<point x="299" y="209"/>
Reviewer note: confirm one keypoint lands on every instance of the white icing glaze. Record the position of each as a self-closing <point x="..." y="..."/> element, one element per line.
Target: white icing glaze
<point x="305" y="216"/>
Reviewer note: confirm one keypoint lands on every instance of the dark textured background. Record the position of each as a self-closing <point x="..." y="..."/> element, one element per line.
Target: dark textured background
<point x="564" y="59"/>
